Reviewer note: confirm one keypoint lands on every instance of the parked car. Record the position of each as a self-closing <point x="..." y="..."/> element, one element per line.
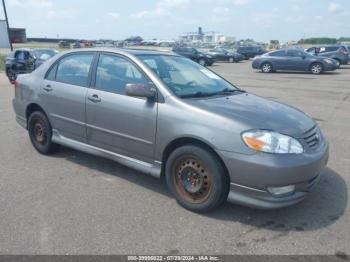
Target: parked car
<point x="166" y="115"/>
<point x="221" y="54"/>
<point x="195" y="55"/>
<point x="77" y="45"/>
<point x="250" y="51"/>
<point x="339" y="53"/>
<point x="23" y="61"/>
<point x="63" y="44"/>
<point x="293" y="60"/>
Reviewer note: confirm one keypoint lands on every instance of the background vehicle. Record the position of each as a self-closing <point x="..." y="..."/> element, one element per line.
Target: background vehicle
<point x="23" y="61"/>
<point x="163" y="114"/>
<point x="221" y="54"/>
<point x="77" y="44"/>
<point x="250" y="51"/>
<point x="63" y="44"/>
<point x="195" y="55"/>
<point x="337" y="52"/>
<point x="293" y="60"/>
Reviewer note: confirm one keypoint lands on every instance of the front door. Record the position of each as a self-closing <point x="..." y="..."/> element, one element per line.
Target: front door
<point x="116" y="122"/>
<point x="63" y="94"/>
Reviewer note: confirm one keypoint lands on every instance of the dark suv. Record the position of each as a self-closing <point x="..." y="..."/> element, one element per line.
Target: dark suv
<point x="339" y="53"/>
<point x="24" y="61"/>
<point x="250" y="51"/>
<point x="197" y="56"/>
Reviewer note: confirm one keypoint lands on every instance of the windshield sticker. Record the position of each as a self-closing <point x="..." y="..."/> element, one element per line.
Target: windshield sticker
<point x="209" y="74"/>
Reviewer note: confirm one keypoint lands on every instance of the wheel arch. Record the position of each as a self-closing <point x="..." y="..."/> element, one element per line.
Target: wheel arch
<point x="182" y="141"/>
<point x="266" y="62"/>
<point x="32" y="107"/>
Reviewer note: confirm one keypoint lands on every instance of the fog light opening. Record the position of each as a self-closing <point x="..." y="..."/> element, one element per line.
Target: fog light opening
<point x="281" y="191"/>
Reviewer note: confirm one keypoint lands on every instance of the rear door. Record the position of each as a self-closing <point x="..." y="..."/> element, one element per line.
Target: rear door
<point x="116" y="122"/>
<point x="278" y="60"/>
<point x="63" y="94"/>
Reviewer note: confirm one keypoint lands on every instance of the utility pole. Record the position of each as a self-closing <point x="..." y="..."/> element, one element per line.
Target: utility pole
<point x="7" y="23"/>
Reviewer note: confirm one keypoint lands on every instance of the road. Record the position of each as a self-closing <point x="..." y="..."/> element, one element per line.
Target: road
<point x="74" y="203"/>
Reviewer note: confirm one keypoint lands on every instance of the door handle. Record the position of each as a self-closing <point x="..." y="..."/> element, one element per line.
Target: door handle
<point x="94" y="98"/>
<point x="48" y="88"/>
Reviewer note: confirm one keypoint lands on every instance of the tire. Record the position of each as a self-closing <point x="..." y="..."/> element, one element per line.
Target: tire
<point x="316" y="68"/>
<point x="196" y="178"/>
<point x="231" y="60"/>
<point x="40" y="133"/>
<point x="202" y="62"/>
<point x="266" y="67"/>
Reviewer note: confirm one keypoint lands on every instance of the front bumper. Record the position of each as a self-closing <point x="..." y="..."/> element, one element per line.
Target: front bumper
<point x="252" y="175"/>
<point x="330" y="67"/>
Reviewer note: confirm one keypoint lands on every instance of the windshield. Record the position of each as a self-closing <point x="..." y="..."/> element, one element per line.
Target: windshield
<point x="186" y="78"/>
<point x="44" y="54"/>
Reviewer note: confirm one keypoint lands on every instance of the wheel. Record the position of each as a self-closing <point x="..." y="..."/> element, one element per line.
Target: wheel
<point x="316" y="68"/>
<point x="196" y="178"/>
<point x="246" y="57"/>
<point x="202" y="62"/>
<point x="12" y="76"/>
<point x="266" y="68"/>
<point x="231" y="60"/>
<point x="40" y="133"/>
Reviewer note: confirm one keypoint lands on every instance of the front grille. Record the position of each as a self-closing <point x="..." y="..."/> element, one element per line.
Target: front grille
<point x="313" y="137"/>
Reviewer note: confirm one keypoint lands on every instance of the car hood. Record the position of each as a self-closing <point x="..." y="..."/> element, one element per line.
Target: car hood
<point x="254" y="112"/>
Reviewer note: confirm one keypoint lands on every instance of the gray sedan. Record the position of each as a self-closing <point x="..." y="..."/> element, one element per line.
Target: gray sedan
<point x="293" y="60"/>
<point x="168" y="116"/>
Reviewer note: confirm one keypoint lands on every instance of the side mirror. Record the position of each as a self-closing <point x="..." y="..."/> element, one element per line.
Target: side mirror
<point x="141" y="90"/>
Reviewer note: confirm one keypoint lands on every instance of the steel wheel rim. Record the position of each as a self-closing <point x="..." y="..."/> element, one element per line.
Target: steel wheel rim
<point x="202" y="62"/>
<point x="192" y="179"/>
<point x="39" y="132"/>
<point x="231" y="60"/>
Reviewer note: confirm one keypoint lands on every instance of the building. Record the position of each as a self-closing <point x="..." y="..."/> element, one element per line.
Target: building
<point x="18" y="35"/>
<point x="4" y="40"/>
<point x="204" y="37"/>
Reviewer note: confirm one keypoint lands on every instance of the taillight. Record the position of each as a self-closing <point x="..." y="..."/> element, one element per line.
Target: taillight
<point x="16" y="84"/>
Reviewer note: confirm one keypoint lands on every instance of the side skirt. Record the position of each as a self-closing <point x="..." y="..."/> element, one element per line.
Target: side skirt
<point x="147" y="168"/>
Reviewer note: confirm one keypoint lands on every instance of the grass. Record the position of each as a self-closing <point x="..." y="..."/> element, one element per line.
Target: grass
<point x="2" y="62"/>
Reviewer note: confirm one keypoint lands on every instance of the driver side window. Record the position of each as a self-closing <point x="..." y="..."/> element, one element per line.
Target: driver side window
<point x="114" y="73"/>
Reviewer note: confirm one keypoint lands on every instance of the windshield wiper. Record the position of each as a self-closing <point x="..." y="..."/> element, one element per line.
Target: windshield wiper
<point x="197" y="94"/>
<point x="221" y="92"/>
<point x="229" y="91"/>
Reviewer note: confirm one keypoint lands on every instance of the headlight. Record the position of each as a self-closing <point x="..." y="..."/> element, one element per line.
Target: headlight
<point x="328" y="61"/>
<point x="272" y="142"/>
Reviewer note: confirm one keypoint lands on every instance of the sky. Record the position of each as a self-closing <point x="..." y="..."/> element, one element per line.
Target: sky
<point x="261" y="20"/>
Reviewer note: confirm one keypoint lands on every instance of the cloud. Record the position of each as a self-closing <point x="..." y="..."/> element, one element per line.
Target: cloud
<point x="236" y="2"/>
<point x="334" y="8"/>
<point x="30" y="3"/>
<point x="219" y="10"/>
<point x="163" y="8"/>
<point x="112" y="15"/>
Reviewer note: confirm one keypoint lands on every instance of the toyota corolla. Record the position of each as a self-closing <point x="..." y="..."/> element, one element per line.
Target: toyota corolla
<point x="166" y="115"/>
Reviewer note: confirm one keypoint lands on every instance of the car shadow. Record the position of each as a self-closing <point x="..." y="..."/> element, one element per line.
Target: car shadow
<point x="302" y="73"/>
<point x="321" y="208"/>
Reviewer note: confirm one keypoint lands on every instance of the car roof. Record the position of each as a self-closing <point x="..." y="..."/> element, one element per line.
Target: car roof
<point x="124" y="50"/>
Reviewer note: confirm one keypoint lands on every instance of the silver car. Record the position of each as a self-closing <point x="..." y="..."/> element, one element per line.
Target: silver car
<point x="165" y="115"/>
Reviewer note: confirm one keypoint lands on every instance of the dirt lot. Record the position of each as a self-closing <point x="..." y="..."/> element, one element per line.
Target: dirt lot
<point x="74" y="203"/>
